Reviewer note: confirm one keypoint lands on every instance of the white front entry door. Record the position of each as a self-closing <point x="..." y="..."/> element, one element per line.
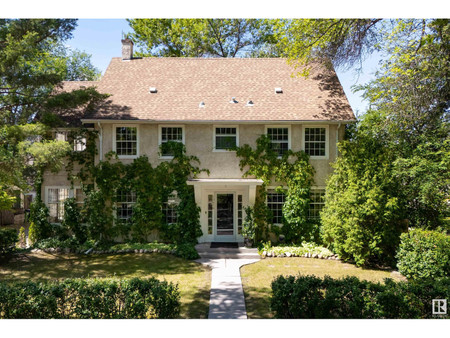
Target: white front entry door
<point x="225" y="217"/>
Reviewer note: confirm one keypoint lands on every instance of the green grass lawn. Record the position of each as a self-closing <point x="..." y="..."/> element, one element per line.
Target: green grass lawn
<point x="256" y="278"/>
<point x="194" y="280"/>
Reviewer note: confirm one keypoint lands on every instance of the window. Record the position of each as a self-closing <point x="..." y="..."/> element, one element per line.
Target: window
<point x="225" y="138"/>
<point x="125" y="202"/>
<point x="126" y="141"/>
<point x="275" y="202"/>
<point x="210" y="214"/>
<point x="79" y="143"/>
<point x="239" y="209"/>
<point x="175" y="134"/>
<point x="316" y="203"/>
<point x="55" y="203"/>
<point x="169" y="209"/>
<point x="315" y="141"/>
<point x="279" y="138"/>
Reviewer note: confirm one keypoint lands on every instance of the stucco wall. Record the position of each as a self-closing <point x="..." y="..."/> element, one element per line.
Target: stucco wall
<point x="199" y="142"/>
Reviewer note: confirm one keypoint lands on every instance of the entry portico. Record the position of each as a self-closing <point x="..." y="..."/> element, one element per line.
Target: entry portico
<point x="222" y="203"/>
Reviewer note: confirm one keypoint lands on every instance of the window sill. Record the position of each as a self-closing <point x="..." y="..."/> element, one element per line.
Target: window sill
<point x="127" y="157"/>
<point x="223" y="151"/>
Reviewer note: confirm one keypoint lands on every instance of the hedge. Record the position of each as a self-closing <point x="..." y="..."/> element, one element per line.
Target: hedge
<point x="424" y="254"/>
<point x="312" y="297"/>
<point x="90" y="298"/>
<point x="8" y="240"/>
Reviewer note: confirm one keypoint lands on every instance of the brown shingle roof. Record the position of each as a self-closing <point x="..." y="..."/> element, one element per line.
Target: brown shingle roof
<point x="182" y="83"/>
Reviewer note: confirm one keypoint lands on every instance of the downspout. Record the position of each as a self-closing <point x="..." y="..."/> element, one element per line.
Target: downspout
<point x="337" y="140"/>
<point x="101" y="141"/>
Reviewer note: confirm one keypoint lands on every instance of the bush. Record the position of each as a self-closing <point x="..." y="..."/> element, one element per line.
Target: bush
<point x="40" y="228"/>
<point x="187" y="251"/>
<point x="80" y="298"/>
<point x="424" y="254"/>
<point x="8" y="240"/>
<point x="72" y="220"/>
<point x="297" y="250"/>
<point x="312" y="297"/>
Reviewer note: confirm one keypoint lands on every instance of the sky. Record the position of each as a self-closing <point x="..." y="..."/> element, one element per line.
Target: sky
<point x="101" y="39"/>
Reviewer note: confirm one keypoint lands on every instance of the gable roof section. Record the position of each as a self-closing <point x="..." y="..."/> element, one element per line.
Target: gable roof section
<point x="182" y="83"/>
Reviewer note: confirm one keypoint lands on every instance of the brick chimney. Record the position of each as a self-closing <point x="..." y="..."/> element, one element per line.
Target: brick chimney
<point x="127" y="49"/>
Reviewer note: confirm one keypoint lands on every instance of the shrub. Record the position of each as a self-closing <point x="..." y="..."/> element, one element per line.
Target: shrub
<point x="297" y="250"/>
<point x="313" y="297"/>
<point x="40" y="228"/>
<point x="187" y="251"/>
<point x="8" y="240"/>
<point x="72" y="220"/>
<point x="248" y="226"/>
<point x="424" y="254"/>
<point x="86" y="298"/>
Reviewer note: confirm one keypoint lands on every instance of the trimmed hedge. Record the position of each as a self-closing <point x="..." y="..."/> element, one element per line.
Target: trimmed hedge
<point x="424" y="254"/>
<point x="312" y="297"/>
<point x="305" y="249"/>
<point x="90" y="298"/>
<point x="8" y="240"/>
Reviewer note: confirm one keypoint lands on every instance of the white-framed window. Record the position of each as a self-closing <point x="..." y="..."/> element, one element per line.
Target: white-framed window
<point x="225" y="137"/>
<point x="316" y="141"/>
<point x="55" y="198"/>
<point x="79" y="143"/>
<point x="126" y="141"/>
<point x="280" y="137"/>
<point x="275" y="202"/>
<point x="170" y="133"/>
<point x="169" y="209"/>
<point x="316" y="203"/>
<point x="124" y="205"/>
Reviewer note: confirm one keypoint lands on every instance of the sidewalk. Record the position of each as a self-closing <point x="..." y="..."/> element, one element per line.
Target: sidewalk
<point x="227" y="296"/>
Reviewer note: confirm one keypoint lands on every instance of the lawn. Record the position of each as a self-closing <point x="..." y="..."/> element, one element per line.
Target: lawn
<point x="256" y="278"/>
<point x="194" y="280"/>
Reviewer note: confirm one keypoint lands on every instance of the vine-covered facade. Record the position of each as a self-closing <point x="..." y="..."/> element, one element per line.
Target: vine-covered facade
<point x="177" y="141"/>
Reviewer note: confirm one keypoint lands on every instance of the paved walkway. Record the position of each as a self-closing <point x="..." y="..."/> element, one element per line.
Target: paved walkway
<point x="227" y="296"/>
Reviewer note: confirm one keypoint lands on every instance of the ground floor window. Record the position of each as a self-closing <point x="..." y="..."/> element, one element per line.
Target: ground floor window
<point x="169" y="209"/>
<point x="316" y="203"/>
<point x="275" y="202"/>
<point x="125" y="201"/>
<point x="55" y="203"/>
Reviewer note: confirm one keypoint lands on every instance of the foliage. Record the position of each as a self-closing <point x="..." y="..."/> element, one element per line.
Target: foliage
<point x="248" y="226"/>
<point x="424" y="254"/>
<point x="295" y="250"/>
<point x="8" y="240"/>
<point x="72" y="220"/>
<point x="200" y="37"/>
<point x="328" y="298"/>
<point x="363" y="216"/>
<point x="90" y="299"/>
<point x="40" y="227"/>
<point x="186" y="251"/>
<point x="295" y="171"/>
<point x="22" y="238"/>
<point x="6" y="201"/>
<point x="143" y="246"/>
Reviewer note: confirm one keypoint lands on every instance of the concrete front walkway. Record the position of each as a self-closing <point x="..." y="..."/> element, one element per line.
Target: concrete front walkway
<point x="227" y="295"/>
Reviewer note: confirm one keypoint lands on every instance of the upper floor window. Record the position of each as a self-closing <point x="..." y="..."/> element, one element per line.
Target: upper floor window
<point x="175" y="134"/>
<point x="225" y="138"/>
<point x="316" y="142"/>
<point x="79" y="143"/>
<point x="126" y="141"/>
<point x="316" y="203"/>
<point x="279" y="138"/>
<point x="275" y="202"/>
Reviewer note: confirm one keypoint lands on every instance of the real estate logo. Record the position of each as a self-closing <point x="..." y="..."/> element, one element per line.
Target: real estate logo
<point x="439" y="306"/>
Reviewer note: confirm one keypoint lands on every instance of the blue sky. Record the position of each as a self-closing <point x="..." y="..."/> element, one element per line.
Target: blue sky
<point x="101" y="38"/>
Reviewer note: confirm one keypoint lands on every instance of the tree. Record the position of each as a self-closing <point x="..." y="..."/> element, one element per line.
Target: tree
<point x="33" y="63"/>
<point x="200" y="37"/>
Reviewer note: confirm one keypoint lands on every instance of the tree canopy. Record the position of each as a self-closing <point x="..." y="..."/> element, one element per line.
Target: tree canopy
<point x="200" y="37"/>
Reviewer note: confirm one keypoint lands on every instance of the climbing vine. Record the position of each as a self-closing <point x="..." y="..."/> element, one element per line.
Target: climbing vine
<point x="292" y="171"/>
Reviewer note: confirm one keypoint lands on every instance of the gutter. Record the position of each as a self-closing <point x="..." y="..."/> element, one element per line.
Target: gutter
<point x="220" y="121"/>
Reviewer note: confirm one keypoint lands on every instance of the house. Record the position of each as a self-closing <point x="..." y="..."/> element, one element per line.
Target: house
<point x="211" y="104"/>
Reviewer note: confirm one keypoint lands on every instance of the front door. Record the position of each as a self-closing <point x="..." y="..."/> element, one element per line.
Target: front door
<point x="225" y="217"/>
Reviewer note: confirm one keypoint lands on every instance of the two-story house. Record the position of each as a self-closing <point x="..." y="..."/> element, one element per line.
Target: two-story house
<point x="210" y="105"/>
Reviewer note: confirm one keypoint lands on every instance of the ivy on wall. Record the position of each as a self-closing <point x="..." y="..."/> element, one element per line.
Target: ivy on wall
<point x="292" y="171"/>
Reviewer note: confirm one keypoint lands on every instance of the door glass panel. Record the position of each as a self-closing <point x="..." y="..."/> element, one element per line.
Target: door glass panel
<point x="225" y="214"/>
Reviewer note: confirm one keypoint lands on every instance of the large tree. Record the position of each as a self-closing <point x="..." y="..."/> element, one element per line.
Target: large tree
<point x="33" y="64"/>
<point x="201" y="37"/>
